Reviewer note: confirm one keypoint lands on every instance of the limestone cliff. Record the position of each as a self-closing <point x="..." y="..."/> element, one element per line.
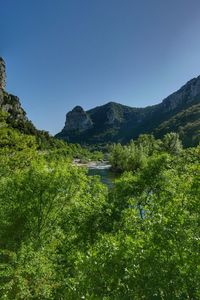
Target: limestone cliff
<point x="184" y="96"/>
<point x="2" y="74"/>
<point x="77" y="120"/>
<point x="11" y="104"/>
<point x="114" y="122"/>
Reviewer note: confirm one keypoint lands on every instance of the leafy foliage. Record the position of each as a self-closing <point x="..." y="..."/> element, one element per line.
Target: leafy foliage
<point x="151" y="251"/>
<point x="63" y="235"/>
<point x="135" y="155"/>
<point x="186" y="124"/>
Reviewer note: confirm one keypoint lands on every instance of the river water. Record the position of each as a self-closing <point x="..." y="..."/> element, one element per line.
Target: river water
<point x="107" y="177"/>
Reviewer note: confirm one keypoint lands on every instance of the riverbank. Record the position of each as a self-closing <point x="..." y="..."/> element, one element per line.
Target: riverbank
<point x="100" y="165"/>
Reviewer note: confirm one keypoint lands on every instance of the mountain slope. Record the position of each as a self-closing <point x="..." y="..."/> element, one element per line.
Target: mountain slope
<point x="186" y="123"/>
<point x="15" y="117"/>
<point x="114" y="122"/>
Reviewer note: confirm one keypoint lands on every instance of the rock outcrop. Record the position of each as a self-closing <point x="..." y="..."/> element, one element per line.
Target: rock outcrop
<point x="2" y="74"/>
<point x="11" y="104"/>
<point x="77" y="120"/>
<point x="114" y="122"/>
<point x="183" y="96"/>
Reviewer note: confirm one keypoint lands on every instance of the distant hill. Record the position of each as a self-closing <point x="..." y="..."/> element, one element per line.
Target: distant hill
<point x="114" y="122"/>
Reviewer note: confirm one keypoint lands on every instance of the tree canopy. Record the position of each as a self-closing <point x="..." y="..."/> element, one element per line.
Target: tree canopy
<point x="65" y="235"/>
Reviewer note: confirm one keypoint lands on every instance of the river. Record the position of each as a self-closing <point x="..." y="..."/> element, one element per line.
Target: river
<point x="102" y="170"/>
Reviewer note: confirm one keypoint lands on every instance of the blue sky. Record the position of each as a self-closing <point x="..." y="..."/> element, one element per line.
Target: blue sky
<point x="62" y="53"/>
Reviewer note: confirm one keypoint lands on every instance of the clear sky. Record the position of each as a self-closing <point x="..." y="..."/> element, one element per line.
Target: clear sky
<point x="62" y="53"/>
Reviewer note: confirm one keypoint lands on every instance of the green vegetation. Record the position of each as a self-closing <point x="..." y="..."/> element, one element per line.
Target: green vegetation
<point x="136" y="154"/>
<point x="12" y="138"/>
<point x="186" y="123"/>
<point x="64" y="235"/>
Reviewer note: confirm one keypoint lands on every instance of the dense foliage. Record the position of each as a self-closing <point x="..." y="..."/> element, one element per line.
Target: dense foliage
<point x="135" y="155"/>
<point x="186" y="123"/>
<point x="12" y="138"/>
<point x="64" y="235"/>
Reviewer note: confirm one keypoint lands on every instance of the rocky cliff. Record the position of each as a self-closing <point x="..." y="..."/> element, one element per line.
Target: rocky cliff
<point x="77" y="120"/>
<point x="11" y="104"/>
<point x="114" y="122"/>
<point x="2" y="74"/>
<point x="184" y="96"/>
<point x="8" y="102"/>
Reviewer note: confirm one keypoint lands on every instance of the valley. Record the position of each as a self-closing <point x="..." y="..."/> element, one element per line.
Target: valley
<point x="115" y="216"/>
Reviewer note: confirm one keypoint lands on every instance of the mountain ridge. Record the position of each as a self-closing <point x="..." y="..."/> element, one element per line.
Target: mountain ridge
<point x="115" y="122"/>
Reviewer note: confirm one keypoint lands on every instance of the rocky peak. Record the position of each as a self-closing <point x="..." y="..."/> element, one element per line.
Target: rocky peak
<point x="112" y="113"/>
<point x="113" y="122"/>
<point x="10" y="103"/>
<point x="2" y="74"/>
<point x="77" y="120"/>
<point x="183" y="96"/>
<point x="78" y="109"/>
<point x="195" y="87"/>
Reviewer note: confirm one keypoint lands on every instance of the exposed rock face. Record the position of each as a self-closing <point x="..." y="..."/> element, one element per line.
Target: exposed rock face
<point x="114" y="122"/>
<point x="77" y="120"/>
<point x="183" y="96"/>
<point x="2" y="74"/>
<point x="16" y="116"/>
<point x="9" y="103"/>
<point x="112" y="117"/>
<point x="1" y="97"/>
<point x="2" y="79"/>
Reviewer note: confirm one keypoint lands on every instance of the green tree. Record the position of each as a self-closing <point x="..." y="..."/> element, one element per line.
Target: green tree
<point x="153" y="256"/>
<point x="45" y="222"/>
<point x="171" y="143"/>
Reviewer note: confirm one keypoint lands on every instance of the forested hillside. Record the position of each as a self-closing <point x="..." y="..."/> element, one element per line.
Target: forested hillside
<point x="114" y="122"/>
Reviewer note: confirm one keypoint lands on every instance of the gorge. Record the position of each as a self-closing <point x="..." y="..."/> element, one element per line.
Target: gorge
<point x="114" y="122"/>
